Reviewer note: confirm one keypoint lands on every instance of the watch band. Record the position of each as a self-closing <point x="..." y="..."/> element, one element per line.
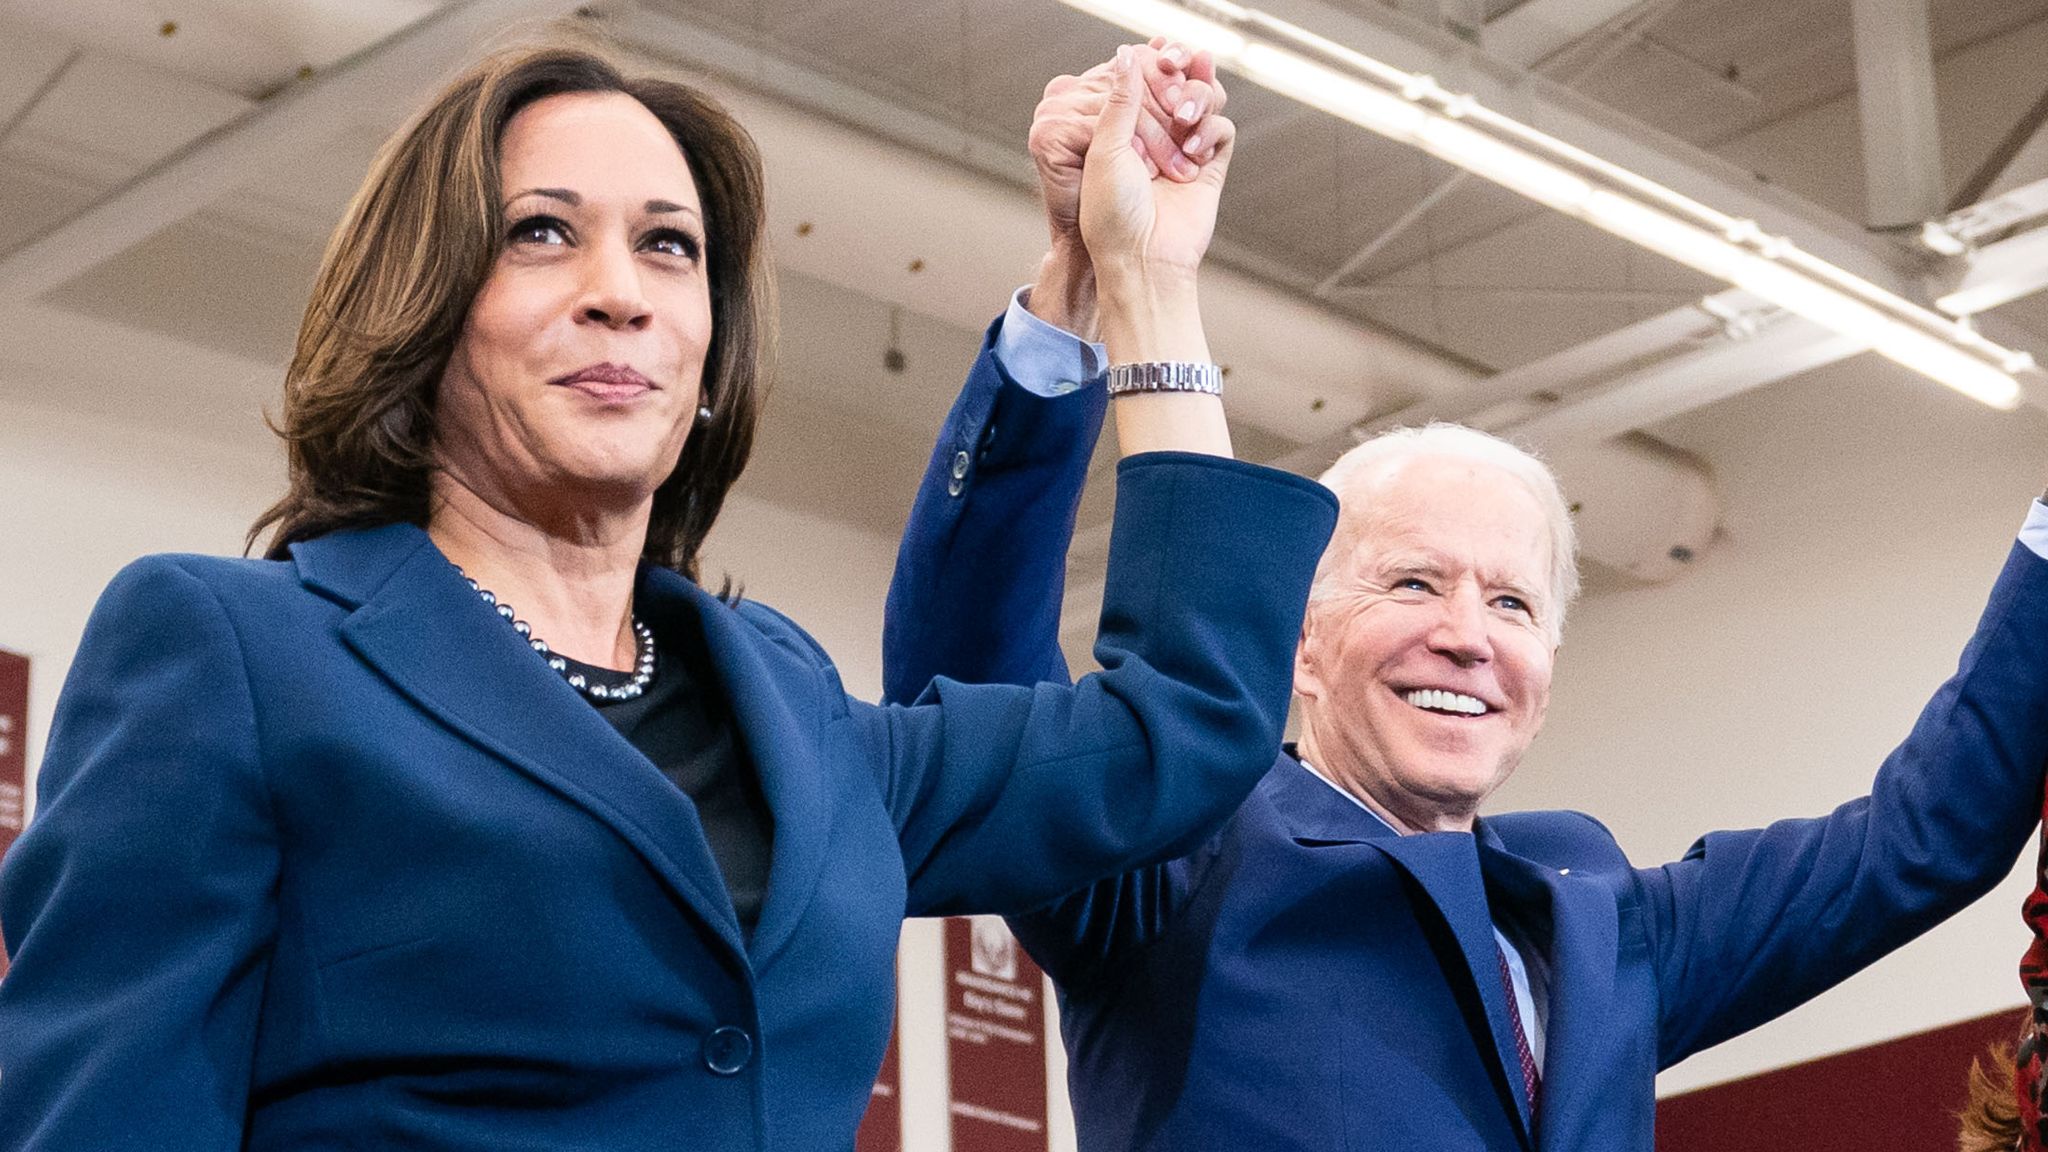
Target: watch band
<point x="1165" y="376"/>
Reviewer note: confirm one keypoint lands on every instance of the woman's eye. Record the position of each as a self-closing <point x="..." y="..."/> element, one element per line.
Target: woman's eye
<point x="673" y="242"/>
<point x="539" y="230"/>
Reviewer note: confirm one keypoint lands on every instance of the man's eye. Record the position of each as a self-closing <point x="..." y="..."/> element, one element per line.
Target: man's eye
<point x="674" y="242"/>
<point x="538" y="230"/>
<point x="1413" y="584"/>
<point x="1514" y="604"/>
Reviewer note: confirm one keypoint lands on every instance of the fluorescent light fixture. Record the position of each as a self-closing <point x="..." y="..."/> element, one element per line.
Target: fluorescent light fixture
<point x="1160" y="18"/>
<point x="1940" y="239"/>
<point x="1332" y="91"/>
<point x="1398" y="105"/>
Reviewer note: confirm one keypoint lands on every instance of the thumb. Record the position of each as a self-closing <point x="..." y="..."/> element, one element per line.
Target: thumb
<point x="1119" y="118"/>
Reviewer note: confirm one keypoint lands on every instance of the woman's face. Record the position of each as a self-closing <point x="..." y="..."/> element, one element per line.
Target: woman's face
<point x="578" y="371"/>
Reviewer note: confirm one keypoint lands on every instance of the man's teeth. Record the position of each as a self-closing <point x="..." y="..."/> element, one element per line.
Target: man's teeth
<point x="1438" y="700"/>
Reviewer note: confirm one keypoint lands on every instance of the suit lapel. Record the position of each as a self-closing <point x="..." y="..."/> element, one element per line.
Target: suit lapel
<point x="423" y="628"/>
<point x="1446" y="866"/>
<point x="781" y="743"/>
<point x="1583" y="943"/>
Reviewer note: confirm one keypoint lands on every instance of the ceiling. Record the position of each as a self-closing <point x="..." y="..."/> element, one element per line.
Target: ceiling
<point x="1363" y="276"/>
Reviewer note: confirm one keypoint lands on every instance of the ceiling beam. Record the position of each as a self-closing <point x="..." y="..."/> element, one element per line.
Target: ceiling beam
<point x="35" y="99"/>
<point x="2000" y="273"/>
<point x="1532" y="32"/>
<point x="1902" y="178"/>
<point x="1552" y="107"/>
<point x="1390" y="233"/>
<point x="1461" y="18"/>
<point x="1566" y="371"/>
<point x="1788" y="346"/>
<point x="379" y="81"/>
<point x="2020" y="157"/>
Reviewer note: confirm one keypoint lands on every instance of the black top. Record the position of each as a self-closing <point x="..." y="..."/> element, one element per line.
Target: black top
<point x="683" y="723"/>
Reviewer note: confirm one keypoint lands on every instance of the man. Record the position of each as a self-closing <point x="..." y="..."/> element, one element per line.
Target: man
<point x="1358" y="960"/>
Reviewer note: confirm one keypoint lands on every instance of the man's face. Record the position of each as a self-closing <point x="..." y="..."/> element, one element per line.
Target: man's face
<point x="1426" y="669"/>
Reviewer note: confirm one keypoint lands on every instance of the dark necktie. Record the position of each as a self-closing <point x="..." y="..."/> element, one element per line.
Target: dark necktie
<point x="1530" y="1080"/>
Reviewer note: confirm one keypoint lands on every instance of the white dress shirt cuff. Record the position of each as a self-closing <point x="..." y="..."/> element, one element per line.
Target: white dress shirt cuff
<point x="2034" y="533"/>
<point x="1042" y="359"/>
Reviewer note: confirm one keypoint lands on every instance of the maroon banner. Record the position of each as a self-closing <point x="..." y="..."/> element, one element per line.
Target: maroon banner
<point x="995" y="1039"/>
<point x="881" y="1129"/>
<point x="13" y="754"/>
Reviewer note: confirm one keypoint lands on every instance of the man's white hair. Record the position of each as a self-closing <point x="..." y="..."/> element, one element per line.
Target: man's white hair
<point x="1353" y="471"/>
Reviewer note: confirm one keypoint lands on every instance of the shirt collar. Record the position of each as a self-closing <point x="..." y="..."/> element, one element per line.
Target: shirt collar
<point x="1366" y="808"/>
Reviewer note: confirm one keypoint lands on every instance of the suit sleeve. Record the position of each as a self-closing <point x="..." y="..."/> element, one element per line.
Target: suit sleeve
<point x="982" y="568"/>
<point x="139" y="904"/>
<point x="1007" y="796"/>
<point x="1750" y="924"/>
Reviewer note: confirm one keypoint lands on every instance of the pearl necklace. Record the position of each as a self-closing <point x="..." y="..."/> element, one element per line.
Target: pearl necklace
<point x="643" y="671"/>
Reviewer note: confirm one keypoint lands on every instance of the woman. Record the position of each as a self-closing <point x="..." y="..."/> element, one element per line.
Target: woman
<point x="2007" y="1106"/>
<point x="342" y="849"/>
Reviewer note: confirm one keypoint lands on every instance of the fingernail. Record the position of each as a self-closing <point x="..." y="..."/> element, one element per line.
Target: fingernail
<point x="1123" y="59"/>
<point x="1172" y="95"/>
<point x="1183" y="165"/>
<point x="1193" y="144"/>
<point x="1187" y="112"/>
<point x="1175" y="53"/>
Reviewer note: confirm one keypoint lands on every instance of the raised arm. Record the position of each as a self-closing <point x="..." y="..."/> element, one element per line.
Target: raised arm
<point x="1750" y="924"/>
<point x="981" y="571"/>
<point x="1006" y="797"/>
<point x="1146" y="235"/>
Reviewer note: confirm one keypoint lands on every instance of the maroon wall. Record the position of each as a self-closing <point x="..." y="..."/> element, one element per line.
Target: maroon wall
<point x="1899" y="1096"/>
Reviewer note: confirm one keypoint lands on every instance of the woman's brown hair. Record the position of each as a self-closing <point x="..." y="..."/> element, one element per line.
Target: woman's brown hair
<point x="1990" y="1120"/>
<point x="410" y="255"/>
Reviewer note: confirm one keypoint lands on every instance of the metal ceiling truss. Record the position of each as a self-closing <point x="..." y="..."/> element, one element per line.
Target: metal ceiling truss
<point x="382" y="80"/>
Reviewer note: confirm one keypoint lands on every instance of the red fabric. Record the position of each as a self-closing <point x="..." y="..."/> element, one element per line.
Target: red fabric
<point x="2033" y="1075"/>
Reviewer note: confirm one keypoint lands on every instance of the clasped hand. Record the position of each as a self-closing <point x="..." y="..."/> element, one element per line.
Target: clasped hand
<point x="1138" y="220"/>
<point x="1176" y="137"/>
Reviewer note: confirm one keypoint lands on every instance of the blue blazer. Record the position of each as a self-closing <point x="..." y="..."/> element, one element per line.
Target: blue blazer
<point x="1307" y="979"/>
<point x="325" y="858"/>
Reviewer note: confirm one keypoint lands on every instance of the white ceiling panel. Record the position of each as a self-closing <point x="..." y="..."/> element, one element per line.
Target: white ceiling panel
<point x="116" y="113"/>
<point x="248" y="47"/>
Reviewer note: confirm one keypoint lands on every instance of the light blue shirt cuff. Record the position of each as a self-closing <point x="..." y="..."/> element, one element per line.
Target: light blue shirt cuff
<point x="2034" y="533"/>
<point x="1042" y="359"/>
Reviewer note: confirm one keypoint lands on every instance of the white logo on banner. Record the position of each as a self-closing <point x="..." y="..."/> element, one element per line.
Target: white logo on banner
<point x="995" y="950"/>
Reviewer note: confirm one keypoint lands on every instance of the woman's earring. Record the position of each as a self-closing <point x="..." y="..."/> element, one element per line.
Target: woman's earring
<point x="703" y="415"/>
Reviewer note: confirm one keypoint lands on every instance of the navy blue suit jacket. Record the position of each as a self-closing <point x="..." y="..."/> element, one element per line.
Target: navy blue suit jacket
<point x="325" y="858"/>
<point x="1307" y="979"/>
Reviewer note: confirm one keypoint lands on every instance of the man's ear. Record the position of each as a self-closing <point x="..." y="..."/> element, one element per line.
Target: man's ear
<point x="1308" y="678"/>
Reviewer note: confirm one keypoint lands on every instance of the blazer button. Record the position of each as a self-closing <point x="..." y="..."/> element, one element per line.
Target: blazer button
<point x="727" y="1050"/>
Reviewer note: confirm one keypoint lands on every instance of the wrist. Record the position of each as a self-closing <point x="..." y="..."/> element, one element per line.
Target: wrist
<point x="1064" y="293"/>
<point x="1148" y="314"/>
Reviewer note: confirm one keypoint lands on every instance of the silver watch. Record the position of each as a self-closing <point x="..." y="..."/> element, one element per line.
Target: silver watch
<point x="1165" y="376"/>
